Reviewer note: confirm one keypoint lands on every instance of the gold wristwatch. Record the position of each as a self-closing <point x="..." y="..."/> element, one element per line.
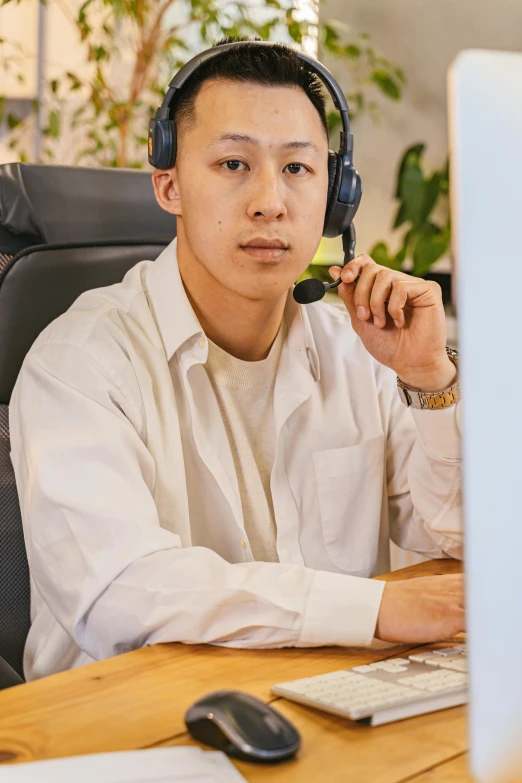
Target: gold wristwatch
<point x="432" y="401"/>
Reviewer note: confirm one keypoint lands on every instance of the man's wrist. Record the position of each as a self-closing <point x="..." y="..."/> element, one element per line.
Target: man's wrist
<point x="431" y="379"/>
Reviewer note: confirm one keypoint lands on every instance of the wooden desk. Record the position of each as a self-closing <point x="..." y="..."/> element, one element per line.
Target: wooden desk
<point x="137" y="700"/>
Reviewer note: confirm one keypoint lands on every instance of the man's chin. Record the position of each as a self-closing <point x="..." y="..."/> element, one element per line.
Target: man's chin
<point x="265" y="290"/>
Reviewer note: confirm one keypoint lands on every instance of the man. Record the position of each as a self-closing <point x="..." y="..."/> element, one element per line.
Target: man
<point x="199" y="458"/>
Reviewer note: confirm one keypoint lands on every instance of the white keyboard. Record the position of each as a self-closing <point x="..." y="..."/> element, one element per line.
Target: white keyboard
<point x="387" y="690"/>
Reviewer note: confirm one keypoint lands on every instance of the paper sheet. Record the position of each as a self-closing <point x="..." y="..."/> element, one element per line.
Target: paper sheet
<point x="158" y="765"/>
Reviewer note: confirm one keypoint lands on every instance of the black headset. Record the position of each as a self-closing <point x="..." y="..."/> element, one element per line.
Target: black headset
<point x="344" y="182"/>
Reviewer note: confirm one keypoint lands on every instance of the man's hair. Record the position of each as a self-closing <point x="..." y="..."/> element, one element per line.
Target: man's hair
<point x="268" y="66"/>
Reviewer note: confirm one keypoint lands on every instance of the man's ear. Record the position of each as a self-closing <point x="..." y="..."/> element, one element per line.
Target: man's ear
<point x="166" y="189"/>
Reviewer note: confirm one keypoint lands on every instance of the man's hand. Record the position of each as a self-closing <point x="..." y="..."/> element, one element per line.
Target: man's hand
<point x="427" y="609"/>
<point x="400" y="320"/>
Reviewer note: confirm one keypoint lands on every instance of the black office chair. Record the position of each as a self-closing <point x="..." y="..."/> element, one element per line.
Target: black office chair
<point x="63" y="230"/>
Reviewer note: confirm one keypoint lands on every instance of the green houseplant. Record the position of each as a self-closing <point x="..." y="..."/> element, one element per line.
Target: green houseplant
<point x="423" y="210"/>
<point x="148" y="41"/>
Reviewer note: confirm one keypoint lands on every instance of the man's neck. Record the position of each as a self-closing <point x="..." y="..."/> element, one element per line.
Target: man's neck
<point x="244" y="328"/>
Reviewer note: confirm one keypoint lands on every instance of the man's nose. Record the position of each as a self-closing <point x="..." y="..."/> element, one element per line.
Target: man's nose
<point x="268" y="197"/>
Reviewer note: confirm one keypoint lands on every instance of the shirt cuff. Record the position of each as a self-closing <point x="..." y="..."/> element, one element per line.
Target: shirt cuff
<point x="440" y="430"/>
<point x="341" y="610"/>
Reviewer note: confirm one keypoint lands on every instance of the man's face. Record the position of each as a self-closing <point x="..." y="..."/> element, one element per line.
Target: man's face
<point x="254" y="166"/>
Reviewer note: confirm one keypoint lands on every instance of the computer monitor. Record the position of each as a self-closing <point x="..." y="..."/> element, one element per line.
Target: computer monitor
<point x="485" y="108"/>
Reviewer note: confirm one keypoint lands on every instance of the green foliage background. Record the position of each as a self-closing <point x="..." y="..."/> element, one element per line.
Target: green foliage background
<point x="420" y="195"/>
<point x="157" y="38"/>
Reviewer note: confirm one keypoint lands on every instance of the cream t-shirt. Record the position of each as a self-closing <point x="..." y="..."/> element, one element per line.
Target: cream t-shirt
<point x="245" y="394"/>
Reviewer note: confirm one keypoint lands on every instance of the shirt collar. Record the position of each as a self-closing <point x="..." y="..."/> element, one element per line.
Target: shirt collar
<point x="300" y="332"/>
<point x="177" y="321"/>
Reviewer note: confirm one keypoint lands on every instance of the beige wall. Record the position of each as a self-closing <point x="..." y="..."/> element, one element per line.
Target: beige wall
<point x="18" y="23"/>
<point x="423" y="38"/>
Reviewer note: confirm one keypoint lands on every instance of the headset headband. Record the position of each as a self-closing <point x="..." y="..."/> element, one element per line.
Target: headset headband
<point x="337" y="95"/>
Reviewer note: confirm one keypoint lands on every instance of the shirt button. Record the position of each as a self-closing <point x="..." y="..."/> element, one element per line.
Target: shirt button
<point x="202" y="342"/>
<point x="243" y="543"/>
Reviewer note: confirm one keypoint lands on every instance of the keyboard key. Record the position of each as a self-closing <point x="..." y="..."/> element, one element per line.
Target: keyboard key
<point x="452" y="651"/>
<point x="392" y="669"/>
<point x="435" y="681"/>
<point x="424" y="658"/>
<point x="458" y="665"/>
<point x="391" y="665"/>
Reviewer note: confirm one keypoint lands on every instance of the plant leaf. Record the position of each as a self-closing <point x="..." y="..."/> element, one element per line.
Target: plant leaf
<point x="352" y="51"/>
<point x="412" y="154"/>
<point x="412" y="195"/>
<point x="54" y="124"/>
<point x="13" y="121"/>
<point x="386" y="84"/>
<point x="430" y="245"/>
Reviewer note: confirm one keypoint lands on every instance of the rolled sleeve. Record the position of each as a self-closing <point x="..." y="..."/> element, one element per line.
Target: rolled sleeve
<point x="424" y="476"/>
<point x="341" y="610"/>
<point x="440" y="430"/>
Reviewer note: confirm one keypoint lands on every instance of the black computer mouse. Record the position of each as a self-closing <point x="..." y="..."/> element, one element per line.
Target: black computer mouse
<point x="242" y="726"/>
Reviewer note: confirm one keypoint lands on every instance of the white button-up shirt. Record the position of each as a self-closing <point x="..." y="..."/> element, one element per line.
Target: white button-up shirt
<point x="129" y="498"/>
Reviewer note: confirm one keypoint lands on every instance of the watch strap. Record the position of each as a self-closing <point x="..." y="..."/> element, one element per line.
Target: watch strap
<point x="439" y="400"/>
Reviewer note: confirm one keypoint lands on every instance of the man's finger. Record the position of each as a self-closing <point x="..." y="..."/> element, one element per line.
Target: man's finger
<point x="382" y="285"/>
<point x="353" y="268"/>
<point x="398" y="299"/>
<point x="346" y="293"/>
<point x="335" y="272"/>
<point x="363" y="290"/>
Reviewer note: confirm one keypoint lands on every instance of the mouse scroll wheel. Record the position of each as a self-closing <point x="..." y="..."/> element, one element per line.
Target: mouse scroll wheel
<point x="272" y="723"/>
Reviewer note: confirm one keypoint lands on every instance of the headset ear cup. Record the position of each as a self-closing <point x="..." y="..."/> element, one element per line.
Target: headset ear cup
<point x="333" y="184"/>
<point x="173" y="144"/>
<point x="358" y="192"/>
<point x="162" y="143"/>
<point x="332" y="173"/>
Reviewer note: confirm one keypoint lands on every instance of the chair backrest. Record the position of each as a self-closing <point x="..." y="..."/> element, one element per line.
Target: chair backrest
<point x="63" y="231"/>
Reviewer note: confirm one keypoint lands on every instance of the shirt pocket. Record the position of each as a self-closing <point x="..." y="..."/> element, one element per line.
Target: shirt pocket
<point x="350" y="483"/>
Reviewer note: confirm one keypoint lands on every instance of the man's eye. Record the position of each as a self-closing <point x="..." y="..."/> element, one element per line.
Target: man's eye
<point x="232" y="163"/>
<point x="296" y="168"/>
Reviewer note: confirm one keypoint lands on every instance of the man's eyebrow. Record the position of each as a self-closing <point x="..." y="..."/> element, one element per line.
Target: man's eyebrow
<point x="244" y="139"/>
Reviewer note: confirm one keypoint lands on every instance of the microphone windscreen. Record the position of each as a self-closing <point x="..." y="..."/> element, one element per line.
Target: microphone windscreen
<point x="308" y="291"/>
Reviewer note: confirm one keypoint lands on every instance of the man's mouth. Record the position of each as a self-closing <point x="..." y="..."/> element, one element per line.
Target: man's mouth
<point x="266" y="249"/>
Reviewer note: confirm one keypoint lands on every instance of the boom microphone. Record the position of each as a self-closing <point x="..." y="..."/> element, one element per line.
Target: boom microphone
<point x="312" y="290"/>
